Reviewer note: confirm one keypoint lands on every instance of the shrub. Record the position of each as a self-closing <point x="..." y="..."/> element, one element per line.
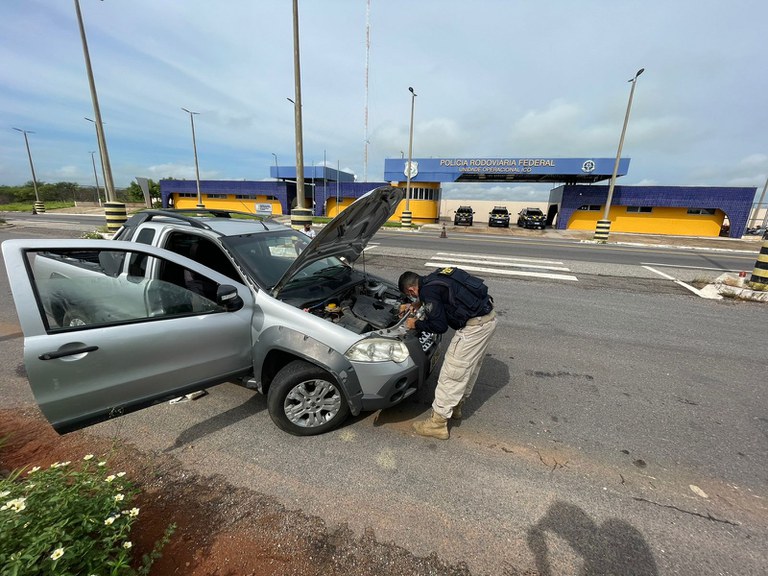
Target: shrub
<point x="69" y="519"/>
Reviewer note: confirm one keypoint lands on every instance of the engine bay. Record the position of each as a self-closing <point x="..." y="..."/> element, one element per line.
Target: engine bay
<point x="366" y="306"/>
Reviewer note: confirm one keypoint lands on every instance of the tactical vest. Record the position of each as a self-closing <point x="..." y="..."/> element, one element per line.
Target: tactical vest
<point x="467" y="294"/>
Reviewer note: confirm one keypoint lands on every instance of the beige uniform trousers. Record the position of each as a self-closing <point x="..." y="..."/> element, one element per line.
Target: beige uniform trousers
<point x="462" y="362"/>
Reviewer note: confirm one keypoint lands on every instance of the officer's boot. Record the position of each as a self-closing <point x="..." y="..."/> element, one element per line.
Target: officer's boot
<point x="435" y="427"/>
<point x="456" y="415"/>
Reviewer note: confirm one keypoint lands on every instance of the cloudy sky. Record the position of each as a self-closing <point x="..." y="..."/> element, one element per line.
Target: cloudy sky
<point x="494" y="78"/>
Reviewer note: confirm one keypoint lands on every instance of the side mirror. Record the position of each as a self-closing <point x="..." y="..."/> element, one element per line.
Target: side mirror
<point x="227" y="297"/>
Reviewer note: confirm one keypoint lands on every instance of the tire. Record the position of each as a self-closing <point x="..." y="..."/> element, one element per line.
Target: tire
<point x="305" y="400"/>
<point x="74" y="317"/>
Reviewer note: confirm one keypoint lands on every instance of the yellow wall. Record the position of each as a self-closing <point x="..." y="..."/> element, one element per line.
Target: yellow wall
<point x="424" y="211"/>
<point x="671" y="221"/>
<point x="229" y="203"/>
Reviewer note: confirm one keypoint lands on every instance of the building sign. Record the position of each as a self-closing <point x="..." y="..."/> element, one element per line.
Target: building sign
<point x="533" y="169"/>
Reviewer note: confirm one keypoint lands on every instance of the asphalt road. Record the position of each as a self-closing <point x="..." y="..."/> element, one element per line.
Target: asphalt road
<point x="618" y="427"/>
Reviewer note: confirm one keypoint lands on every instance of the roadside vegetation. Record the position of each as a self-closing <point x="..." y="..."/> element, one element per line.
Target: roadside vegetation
<point x="70" y="518"/>
<point x="65" y="195"/>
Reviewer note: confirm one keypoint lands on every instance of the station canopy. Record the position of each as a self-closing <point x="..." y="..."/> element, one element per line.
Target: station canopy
<point x="509" y="169"/>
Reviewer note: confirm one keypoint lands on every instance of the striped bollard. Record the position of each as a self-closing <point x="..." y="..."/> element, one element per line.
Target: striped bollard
<point x="406" y="218"/>
<point x="760" y="272"/>
<point x="116" y="215"/>
<point x="299" y="217"/>
<point x="601" y="230"/>
<point x="38" y="208"/>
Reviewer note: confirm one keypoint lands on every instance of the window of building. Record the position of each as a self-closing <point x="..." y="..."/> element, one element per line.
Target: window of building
<point x="216" y="195"/>
<point x="590" y="207"/>
<point x="186" y="195"/>
<point x="640" y="209"/>
<point x="704" y="211"/>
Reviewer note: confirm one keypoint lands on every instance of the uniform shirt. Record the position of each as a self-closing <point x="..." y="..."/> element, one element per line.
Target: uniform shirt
<point x="437" y="308"/>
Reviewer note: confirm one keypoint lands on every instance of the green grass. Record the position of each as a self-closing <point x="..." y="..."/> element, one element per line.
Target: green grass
<point x="27" y="206"/>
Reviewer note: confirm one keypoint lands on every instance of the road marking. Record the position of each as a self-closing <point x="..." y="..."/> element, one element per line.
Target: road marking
<point x="501" y="265"/>
<point x="700" y="293"/>
<point x="503" y="261"/>
<point x="688" y="267"/>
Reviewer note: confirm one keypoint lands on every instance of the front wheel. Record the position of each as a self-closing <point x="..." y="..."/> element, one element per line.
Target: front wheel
<point x="304" y="400"/>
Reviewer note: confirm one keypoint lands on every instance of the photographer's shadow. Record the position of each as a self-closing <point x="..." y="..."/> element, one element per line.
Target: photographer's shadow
<point x="615" y="547"/>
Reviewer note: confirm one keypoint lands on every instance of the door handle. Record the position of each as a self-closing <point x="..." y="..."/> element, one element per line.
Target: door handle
<point x="63" y="353"/>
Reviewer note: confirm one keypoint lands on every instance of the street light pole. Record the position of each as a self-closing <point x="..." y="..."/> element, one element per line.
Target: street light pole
<point x="98" y="144"/>
<point x="300" y="214"/>
<point x="95" y="177"/>
<point x="194" y="148"/>
<point x="407" y="215"/>
<point x="277" y="168"/>
<point x="108" y="185"/>
<point x="38" y="206"/>
<point x="604" y="225"/>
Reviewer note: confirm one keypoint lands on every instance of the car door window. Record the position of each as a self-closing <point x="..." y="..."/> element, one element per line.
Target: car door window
<point x="79" y="289"/>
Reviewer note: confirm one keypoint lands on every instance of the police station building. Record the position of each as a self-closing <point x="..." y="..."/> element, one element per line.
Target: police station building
<point x="576" y="201"/>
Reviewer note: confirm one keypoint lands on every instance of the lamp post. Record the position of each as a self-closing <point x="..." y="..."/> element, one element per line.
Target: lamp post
<point x="300" y="214"/>
<point x="194" y="148"/>
<point x="108" y="185"/>
<point x="604" y="225"/>
<point x="277" y="168"/>
<point x="95" y="177"/>
<point x="407" y="216"/>
<point x="37" y="206"/>
<point x="103" y="173"/>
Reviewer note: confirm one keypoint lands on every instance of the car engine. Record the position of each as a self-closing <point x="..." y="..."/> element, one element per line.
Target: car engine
<point x="367" y="306"/>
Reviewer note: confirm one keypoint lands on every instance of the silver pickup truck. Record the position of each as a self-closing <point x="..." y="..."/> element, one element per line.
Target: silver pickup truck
<point x="180" y="301"/>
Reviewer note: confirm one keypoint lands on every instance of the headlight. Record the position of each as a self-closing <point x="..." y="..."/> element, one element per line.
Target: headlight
<point x="378" y="350"/>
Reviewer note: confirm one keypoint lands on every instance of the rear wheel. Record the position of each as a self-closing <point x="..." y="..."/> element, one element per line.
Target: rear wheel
<point x="74" y="317"/>
<point x="305" y="400"/>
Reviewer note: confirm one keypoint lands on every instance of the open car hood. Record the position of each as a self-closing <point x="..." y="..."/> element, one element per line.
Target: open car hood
<point x="348" y="234"/>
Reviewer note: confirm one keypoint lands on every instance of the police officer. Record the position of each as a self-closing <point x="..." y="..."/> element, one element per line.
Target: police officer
<point x="451" y="297"/>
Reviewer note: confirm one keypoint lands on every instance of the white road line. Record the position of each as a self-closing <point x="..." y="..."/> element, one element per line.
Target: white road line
<point x="502" y="263"/>
<point x="437" y="264"/>
<point x="693" y="289"/>
<point x="688" y="267"/>
<point x="462" y="255"/>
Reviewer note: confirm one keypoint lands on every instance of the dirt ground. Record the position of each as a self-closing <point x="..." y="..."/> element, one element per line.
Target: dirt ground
<point x="221" y="530"/>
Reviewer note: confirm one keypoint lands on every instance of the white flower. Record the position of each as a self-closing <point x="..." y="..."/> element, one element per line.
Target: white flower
<point x="17" y="505"/>
<point x="127" y="545"/>
<point x="120" y="474"/>
<point x="102" y="463"/>
<point x="58" y="553"/>
<point x="119" y="497"/>
<point x="4" y="493"/>
<point x="67" y="463"/>
<point x="87" y="456"/>
<point x="133" y="512"/>
<point x="55" y="465"/>
<point x="110" y="478"/>
<point x="109" y="521"/>
<point x="33" y="470"/>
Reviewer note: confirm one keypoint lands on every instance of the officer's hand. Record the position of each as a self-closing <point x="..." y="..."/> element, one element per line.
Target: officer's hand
<point x="405" y="309"/>
<point x="410" y="323"/>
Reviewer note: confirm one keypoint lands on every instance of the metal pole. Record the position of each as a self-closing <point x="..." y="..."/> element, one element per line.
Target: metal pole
<point x="31" y="165"/>
<point x="194" y="148"/>
<point x="602" y="234"/>
<point x="108" y="185"/>
<point x="406" y="218"/>
<point x="95" y="177"/>
<point x="621" y="145"/>
<point x="297" y="110"/>
<point x="98" y="144"/>
<point x="760" y="203"/>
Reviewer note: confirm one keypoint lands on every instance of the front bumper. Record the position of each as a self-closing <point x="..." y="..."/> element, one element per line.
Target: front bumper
<point x="387" y="384"/>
